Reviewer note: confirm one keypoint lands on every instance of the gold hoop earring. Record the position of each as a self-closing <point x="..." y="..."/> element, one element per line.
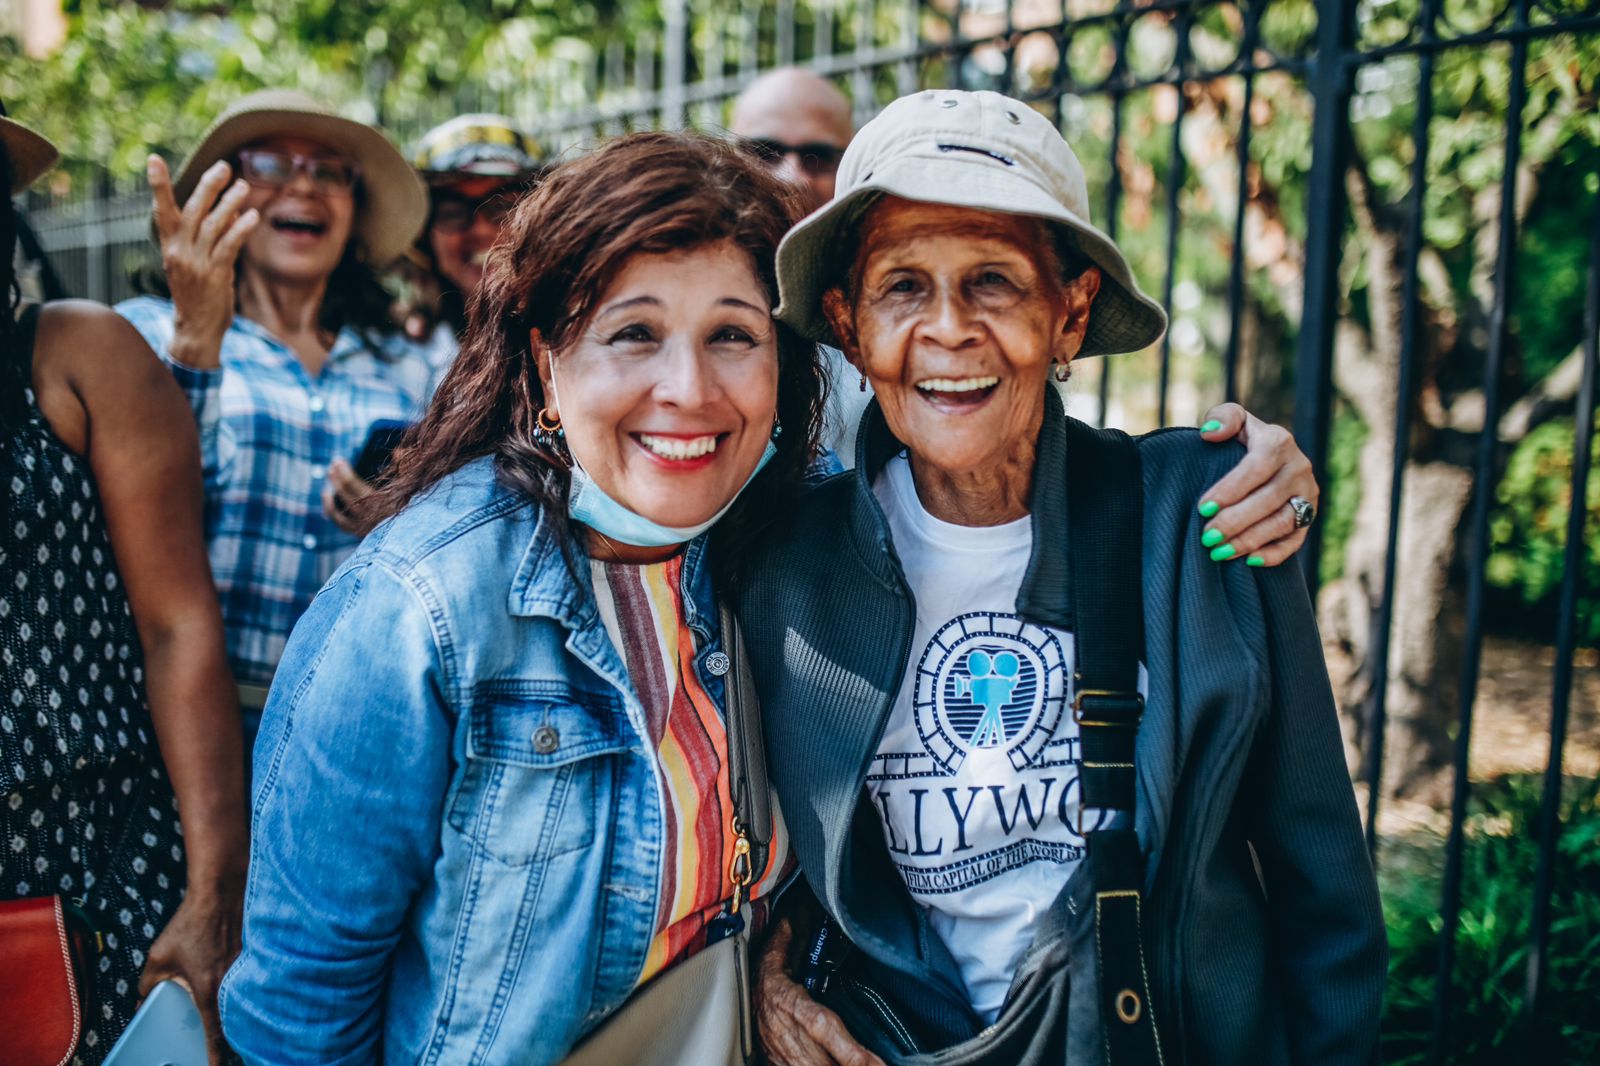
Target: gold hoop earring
<point x="548" y="434"/>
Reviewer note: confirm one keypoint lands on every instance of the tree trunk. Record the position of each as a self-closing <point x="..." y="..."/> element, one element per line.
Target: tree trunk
<point x="1425" y="638"/>
<point x="1425" y="633"/>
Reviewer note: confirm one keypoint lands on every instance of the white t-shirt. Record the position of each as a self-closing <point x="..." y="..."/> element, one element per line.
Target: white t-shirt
<point x="976" y="778"/>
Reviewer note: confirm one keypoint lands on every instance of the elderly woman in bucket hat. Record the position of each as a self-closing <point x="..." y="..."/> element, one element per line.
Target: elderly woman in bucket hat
<point x="115" y="699"/>
<point x="1066" y="781"/>
<point x="273" y="321"/>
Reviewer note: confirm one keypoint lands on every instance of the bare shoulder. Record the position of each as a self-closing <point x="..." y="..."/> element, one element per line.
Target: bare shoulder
<point x="94" y="348"/>
<point x="85" y="333"/>
<point x="90" y="364"/>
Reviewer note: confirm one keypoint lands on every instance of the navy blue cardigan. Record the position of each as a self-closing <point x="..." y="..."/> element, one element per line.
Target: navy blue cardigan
<point x="1263" y="925"/>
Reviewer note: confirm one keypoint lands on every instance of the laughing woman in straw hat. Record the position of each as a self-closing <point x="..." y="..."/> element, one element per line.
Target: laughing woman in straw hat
<point x="1063" y="768"/>
<point x="276" y="327"/>
<point x="110" y="641"/>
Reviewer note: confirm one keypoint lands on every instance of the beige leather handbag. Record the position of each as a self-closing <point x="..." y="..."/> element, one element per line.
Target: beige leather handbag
<point x="698" y="1012"/>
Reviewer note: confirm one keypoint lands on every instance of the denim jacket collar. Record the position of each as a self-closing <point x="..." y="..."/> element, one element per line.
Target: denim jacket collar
<point x="544" y="585"/>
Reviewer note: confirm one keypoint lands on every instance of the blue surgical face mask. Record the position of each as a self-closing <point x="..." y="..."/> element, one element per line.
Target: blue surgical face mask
<point x="589" y="504"/>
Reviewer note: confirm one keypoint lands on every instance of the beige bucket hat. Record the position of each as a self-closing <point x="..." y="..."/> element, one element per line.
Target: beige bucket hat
<point x="31" y="155"/>
<point x="968" y="149"/>
<point x="394" y="201"/>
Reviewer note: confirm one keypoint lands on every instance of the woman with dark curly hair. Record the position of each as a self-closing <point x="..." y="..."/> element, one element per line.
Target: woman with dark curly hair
<point x="274" y="323"/>
<point x="495" y="795"/>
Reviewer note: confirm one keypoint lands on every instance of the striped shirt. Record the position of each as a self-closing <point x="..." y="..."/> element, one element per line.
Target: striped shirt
<point x="268" y="430"/>
<point x="643" y="612"/>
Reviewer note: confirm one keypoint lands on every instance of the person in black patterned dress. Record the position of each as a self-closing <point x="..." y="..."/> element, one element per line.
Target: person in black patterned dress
<point x="111" y="651"/>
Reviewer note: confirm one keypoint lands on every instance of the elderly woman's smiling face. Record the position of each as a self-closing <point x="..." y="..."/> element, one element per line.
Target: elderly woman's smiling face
<point x="955" y="316"/>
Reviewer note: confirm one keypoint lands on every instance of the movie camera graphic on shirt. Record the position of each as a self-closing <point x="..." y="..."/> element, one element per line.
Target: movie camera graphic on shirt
<point x="994" y="786"/>
<point x="989" y="680"/>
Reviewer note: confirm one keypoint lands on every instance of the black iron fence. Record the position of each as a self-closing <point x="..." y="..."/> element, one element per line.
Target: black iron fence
<point x="1351" y="182"/>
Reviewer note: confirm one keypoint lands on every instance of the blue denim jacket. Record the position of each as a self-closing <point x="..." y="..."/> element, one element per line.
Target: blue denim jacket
<point x="456" y="838"/>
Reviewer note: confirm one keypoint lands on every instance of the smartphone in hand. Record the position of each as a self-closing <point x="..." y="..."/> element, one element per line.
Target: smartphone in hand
<point x="382" y="439"/>
<point x="165" y="1030"/>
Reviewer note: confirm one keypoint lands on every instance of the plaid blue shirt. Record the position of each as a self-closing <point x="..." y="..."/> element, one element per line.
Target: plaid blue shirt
<point x="268" y="430"/>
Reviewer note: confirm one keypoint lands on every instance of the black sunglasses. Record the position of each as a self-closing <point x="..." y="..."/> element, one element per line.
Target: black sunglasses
<point x="817" y="158"/>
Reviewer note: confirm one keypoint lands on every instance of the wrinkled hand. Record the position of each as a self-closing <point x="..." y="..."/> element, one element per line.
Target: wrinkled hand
<point x="1253" y="499"/>
<point x="195" y="950"/>
<point x="795" y="1029"/>
<point x="200" y="245"/>
<point x="344" y="488"/>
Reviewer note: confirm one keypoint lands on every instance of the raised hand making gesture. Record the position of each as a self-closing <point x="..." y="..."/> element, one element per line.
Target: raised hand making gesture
<point x="200" y="245"/>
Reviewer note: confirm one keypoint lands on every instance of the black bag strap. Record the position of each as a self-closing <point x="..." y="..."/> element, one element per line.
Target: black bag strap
<point x="747" y="756"/>
<point x="1105" y="529"/>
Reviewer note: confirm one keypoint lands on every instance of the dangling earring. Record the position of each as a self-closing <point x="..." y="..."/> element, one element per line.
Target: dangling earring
<point x="777" y="428"/>
<point x="863" y="383"/>
<point x="1062" y="371"/>
<point x="547" y="432"/>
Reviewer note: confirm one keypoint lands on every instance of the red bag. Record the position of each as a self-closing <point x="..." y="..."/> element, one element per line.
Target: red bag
<point x="45" y="953"/>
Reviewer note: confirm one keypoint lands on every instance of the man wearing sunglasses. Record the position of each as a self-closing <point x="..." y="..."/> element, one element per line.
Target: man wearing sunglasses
<point x="799" y="124"/>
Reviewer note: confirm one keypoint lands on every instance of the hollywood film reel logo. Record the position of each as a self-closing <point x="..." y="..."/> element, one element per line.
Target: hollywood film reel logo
<point x="989" y="680"/>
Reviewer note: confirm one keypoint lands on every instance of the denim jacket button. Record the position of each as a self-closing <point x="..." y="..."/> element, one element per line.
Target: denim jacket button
<point x="718" y="663"/>
<point x="546" y="739"/>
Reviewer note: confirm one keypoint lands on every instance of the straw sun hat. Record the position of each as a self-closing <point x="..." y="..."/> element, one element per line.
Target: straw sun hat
<point x="31" y="155"/>
<point x="394" y="202"/>
<point x="967" y="149"/>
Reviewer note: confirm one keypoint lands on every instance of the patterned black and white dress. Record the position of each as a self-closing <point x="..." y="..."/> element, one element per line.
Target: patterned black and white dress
<point x="86" y="809"/>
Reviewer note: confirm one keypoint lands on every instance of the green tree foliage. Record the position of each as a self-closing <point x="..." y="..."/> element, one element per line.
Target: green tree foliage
<point x="1557" y="181"/>
<point x="1529" y="529"/>
<point x="1343" y="494"/>
<point x="133" y="77"/>
<point x="1500" y="858"/>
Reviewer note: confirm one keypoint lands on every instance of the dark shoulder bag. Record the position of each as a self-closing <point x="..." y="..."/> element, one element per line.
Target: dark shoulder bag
<point x="1108" y="1016"/>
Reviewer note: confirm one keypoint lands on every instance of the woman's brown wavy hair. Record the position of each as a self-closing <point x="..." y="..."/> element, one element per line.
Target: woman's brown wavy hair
<point x="558" y="251"/>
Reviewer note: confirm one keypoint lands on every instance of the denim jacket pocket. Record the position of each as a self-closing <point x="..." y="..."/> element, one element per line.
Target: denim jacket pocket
<point x="537" y="767"/>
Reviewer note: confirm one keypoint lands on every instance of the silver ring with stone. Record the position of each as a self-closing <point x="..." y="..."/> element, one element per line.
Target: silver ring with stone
<point x="1305" y="512"/>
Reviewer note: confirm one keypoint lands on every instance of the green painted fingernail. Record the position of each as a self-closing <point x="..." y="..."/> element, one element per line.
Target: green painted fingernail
<point x="1211" y="426"/>
<point x="1209" y="508"/>
<point x="1225" y="552"/>
<point x="1211" y="538"/>
<point x="1255" y="560"/>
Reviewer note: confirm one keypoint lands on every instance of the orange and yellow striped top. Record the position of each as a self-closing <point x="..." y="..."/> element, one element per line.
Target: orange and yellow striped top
<point x="642" y="607"/>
